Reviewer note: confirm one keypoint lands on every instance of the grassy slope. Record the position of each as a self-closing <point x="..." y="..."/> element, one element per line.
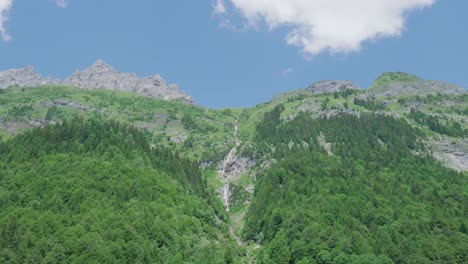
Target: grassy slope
<point x="211" y="137"/>
<point x="20" y="107"/>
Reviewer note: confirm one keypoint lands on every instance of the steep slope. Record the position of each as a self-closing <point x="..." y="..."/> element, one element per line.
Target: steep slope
<point x="369" y="198"/>
<point x="199" y="133"/>
<point x="327" y="174"/>
<point x="99" y="76"/>
<point x="91" y="192"/>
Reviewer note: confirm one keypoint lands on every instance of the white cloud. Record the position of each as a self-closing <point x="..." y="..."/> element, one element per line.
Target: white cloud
<point x="5" y="6"/>
<point x="218" y="7"/>
<point x="336" y="26"/>
<point x="288" y="71"/>
<point x="61" y="3"/>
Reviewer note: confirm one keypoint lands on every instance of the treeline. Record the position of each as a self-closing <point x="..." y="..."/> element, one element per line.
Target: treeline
<point x="346" y="93"/>
<point x="370" y="103"/>
<point x="83" y="191"/>
<point x="102" y="138"/>
<point x="434" y="123"/>
<point x="432" y="98"/>
<point x="371" y="201"/>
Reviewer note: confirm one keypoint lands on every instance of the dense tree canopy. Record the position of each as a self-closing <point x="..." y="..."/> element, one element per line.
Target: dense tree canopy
<point x="90" y="192"/>
<point x="351" y="181"/>
<point x="375" y="197"/>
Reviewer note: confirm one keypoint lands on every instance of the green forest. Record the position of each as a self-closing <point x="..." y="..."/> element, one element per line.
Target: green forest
<point x="371" y="201"/>
<point x="88" y="192"/>
<point x="96" y="176"/>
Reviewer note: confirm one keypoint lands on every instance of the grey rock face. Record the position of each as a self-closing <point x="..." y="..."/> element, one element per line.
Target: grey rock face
<point x="71" y="104"/>
<point x="420" y="88"/>
<point x="99" y="76"/>
<point x="237" y="166"/>
<point x="23" y="77"/>
<point x="331" y="87"/>
<point x="452" y="154"/>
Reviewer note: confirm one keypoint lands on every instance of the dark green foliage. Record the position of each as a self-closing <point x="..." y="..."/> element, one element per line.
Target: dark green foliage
<point x="348" y="92"/>
<point x="346" y="105"/>
<point x="238" y="197"/>
<point x="297" y="98"/>
<point x="188" y="122"/>
<point x="372" y="201"/>
<point x="432" y="99"/>
<point x="270" y="120"/>
<point x="90" y="192"/>
<point x="98" y="138"/>
<point x="54" y="113"/>
<point x="438" y="103"/>
<point x="227" y="112"/>
<point x="324" y="104"/>
<point x="370" y="103"/>
<point x="449" y="127"/>
<point x="20" y="111"/>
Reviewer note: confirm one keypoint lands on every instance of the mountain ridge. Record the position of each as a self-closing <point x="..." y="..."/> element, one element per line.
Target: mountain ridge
<point x="99" y="75"/>
<point x="331" y="86"/>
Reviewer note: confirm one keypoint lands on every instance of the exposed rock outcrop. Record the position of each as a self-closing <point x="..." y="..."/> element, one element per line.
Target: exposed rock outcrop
<point x="331" y="87"/>
<point x="452" y="154"/>
<point x="99" y="76"/>
<point x="23" y="77"/>
<point x="399" y="83"/>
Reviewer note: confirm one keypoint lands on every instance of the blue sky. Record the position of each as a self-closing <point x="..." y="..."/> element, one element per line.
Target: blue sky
<point x="221" y="66"/>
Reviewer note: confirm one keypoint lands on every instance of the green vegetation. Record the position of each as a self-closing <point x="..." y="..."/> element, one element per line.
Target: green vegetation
<point x="370" y="103"/>
<point x="371" y="201"/>
<point x="447" y="127"/>
<point x="96" y="176"/>
<point x="167" y="123"/>
<point x="386" y="78"/>
<point x="92" y="192"/>
<point x="443" y="104"/>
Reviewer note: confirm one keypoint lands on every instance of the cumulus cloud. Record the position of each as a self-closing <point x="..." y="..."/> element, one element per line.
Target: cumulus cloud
<point x="61" y="3"/>
<point x="336" y="26"/>
<point x="5" y="6"/>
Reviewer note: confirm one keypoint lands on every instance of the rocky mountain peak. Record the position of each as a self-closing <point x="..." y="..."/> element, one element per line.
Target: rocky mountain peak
<point x="101" y="66"/>
<point x="331" y="87"/>
<point x="26" y="76"/>
<point x="100" y="75"/>
<point x="28" y="69"/>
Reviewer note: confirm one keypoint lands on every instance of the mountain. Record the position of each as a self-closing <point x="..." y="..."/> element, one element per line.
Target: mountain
<point x="399" y="83"/>
<point x="91" y="192"/>
<point x="25" y="77"/>
<point x="99" y="76"/>
<point x="327" y="174"/>
<point x="323" y="87"/>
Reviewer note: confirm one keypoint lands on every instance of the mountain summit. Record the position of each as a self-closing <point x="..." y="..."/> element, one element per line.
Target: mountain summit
<point x="400" y="83"/>
<point x="322" y="87"/>
<point x="100" y="75"/>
